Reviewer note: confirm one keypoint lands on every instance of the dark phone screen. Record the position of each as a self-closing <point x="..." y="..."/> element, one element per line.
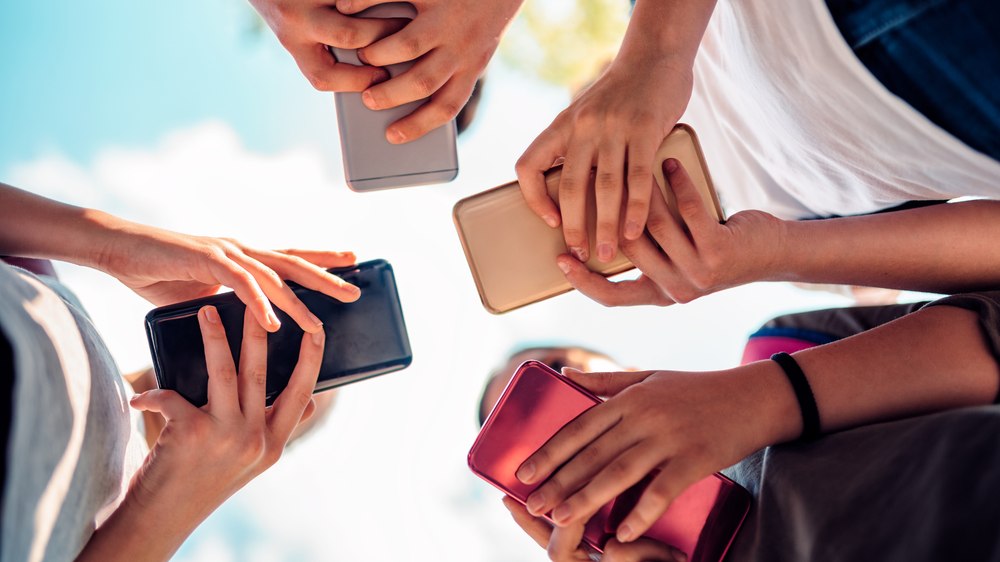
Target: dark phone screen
<point x="363" y="339"/>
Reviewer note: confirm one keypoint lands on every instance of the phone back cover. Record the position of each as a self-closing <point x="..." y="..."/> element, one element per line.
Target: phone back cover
<point x="512" y="252"/>
<point x="370" y="161"/>
<point x="363" y="339"/>
<point x="702" y="521"/>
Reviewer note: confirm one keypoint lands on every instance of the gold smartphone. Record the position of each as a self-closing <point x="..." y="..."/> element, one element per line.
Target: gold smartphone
<point x="512" y="252"/>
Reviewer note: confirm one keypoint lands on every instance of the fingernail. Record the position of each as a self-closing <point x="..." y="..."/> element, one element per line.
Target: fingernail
<point x="273" y="320"/>
<point x="631" y="230"/>
<point x="624" y="533"/>
<point x="212" y="315"/>
<point x="354" y="289"/>
<point x="564" y="266"/>
<point x="561" y="513"/>
<point x="670" y="164"/>
<point x="580" y="254"/>
<point x="680" y="555"/>
<point x="536" y="502"/>
<point x="367" y="99"/>
<point x="380" y="76"/>
<point x="137" y="396"/>
<point x="604" y="252"/>
<point x="395" y="136"/>
<point x="343" y="5"/>
<point x="526" y="471"/>
<point x="318" y="338"/>
<point x="551" y="220"/>
<point x="315" y="320"/>
<point x="362" y="57"/>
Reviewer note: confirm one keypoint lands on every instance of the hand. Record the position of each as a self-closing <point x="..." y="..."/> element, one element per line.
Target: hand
<point x="306" y="28"/>
<point x="619" y="121"/>
<point x="166" y="267"/>
<point x="204" y="455"/>
<point x="563" y="544"/>
<point x="452" y="41"/>
<point x="694" y="259"/>
<point x="686" y="425"/>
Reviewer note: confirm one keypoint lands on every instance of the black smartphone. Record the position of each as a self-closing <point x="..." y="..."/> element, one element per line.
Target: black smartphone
<point x="364" y="338"/>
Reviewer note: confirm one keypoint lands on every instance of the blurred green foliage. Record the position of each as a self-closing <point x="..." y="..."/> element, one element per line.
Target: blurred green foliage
<point x="566" y="42"/>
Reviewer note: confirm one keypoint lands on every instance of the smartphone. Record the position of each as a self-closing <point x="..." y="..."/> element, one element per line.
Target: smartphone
<point x="512" y="252"/>
<point x="536" y="404"/>
<point x="364" y="338"/>
<point x="370" y="161"/>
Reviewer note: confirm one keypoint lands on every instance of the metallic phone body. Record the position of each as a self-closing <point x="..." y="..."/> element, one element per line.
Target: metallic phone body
<point x="512" y="252"/>
<point x="536" y="404"/>
<point x="364" y="338"/>
<point x="370" y="161"/>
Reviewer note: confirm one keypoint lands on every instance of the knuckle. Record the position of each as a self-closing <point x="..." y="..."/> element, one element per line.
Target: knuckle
<point x="258" y="373"/>
<point x="424" y="85"/>
<point x="448" y="110"/>
<point x="411" y="47"/>
<point x="639" y="172"/>
<point x="347" y="35"/>
<point x="318" y="82"/>
<point x="618" y="469"/>
<point x="226" y="375"/>
<point x="607" y="182"/>
<point x="302" y="398"/>
<point x="689" y="206"/>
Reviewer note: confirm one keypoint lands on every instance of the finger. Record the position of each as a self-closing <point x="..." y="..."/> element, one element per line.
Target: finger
<point x="613" y="478"/>
<point x="640" y="185"/>
<point x="573" y="437"/>
<point x="443" y="106"/>
<point x="605" y="385"/>
<point x="325" y="74"/>
<point x="280" y="294"/>
<point x="421" y="81"/>
<point x="233" y="275"/>
<point x="223" y="394"/>
<point x="641" y="550"/>
<point x="573" y="187"/>
<point x="531" y="168"/>
<point x="333" y="28"/>
<point x="305" y="273"/>
<point x="673" y="479"/>
<point x="608" y="188"/>
<point x="690" y="203"/>
<point x="537" y="528"/>
<point x="572" y="478"/>
<point x="667" y="231"/>
<point x="293" y="400"/>
<point x="611" y="293"/>
<point x="253" y="370"/>
<point x="308" y="412"/>
<point x="167" y="403"/>
<point x="564" y="544"/>
<point x="410" y="43"/>
<point x="322" y="258"/>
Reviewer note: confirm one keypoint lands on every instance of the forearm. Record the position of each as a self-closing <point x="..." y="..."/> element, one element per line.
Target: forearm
<point x="36" y="227"/>
<point x="931" y="360"/>
<point x="947" y="248"/>
<point x="668" y="31"/>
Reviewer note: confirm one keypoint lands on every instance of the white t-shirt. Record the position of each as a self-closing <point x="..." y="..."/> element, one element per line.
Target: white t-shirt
<point x="793" y="123"/>
<point x="74" y="442"/>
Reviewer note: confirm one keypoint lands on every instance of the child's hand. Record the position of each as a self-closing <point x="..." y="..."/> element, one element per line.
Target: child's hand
<point x="616" y="125"/>
<point x="563" y="544"/>
<point x="686" y="425"/>
<point x="166" y="267"/>
<point x="204" y="455"/>
<point x="695" y="259"/>
<point x="305" y="28"/>
<point x="453" y="40"/>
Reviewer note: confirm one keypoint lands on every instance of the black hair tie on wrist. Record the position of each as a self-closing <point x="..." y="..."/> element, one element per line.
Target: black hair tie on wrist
<point x="807" y="402"/>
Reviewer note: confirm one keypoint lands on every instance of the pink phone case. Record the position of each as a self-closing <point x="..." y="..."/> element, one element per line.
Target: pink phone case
<point x="536" y="404"/>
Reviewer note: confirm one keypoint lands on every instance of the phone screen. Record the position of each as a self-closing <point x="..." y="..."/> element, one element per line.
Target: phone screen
<point x="365" y="338"/>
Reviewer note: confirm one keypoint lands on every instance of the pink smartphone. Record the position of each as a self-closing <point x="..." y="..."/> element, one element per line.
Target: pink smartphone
<point x="536" y="404"/>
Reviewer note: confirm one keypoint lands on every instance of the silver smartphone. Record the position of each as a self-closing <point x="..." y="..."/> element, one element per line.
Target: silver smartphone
<point x="370" y="161"/>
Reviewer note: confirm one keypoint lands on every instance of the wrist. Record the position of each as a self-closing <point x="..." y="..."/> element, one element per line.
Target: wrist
<point x="774" y="414"/>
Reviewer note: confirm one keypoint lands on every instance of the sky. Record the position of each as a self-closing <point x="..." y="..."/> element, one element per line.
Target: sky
<point x="178" y="115"/>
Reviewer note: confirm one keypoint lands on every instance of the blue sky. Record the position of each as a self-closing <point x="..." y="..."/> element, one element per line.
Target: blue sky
<point x="79" y="76"/>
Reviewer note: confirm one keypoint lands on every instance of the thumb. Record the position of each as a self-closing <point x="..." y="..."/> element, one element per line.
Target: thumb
<point x="605" y="385"/>
<point x="167" y="402"/>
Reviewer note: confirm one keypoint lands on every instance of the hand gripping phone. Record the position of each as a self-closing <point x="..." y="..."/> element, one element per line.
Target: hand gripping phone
<point x="512" y="252"/>
<point x="364" y="338"/>
<point x="370" y="161"/>
<point x="536" y="404"/>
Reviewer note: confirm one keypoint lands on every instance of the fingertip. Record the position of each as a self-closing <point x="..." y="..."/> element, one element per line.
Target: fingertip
<point x="211" y="314"/>
<point x="551" y="220"/>
<point x="318" y="337"/>
<point x="564" y="265"/>
<point x="379" y="76"/>
<point x="395" y="136"/>
<point x="670" y="165"/>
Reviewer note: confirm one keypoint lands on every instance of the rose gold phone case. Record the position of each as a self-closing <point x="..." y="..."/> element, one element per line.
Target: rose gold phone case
<point x="512" y="252"/>
<point x="537" y="402"/>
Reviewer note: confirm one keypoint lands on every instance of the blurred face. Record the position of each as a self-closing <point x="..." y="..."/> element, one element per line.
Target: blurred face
<point x="555" y="357"/>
